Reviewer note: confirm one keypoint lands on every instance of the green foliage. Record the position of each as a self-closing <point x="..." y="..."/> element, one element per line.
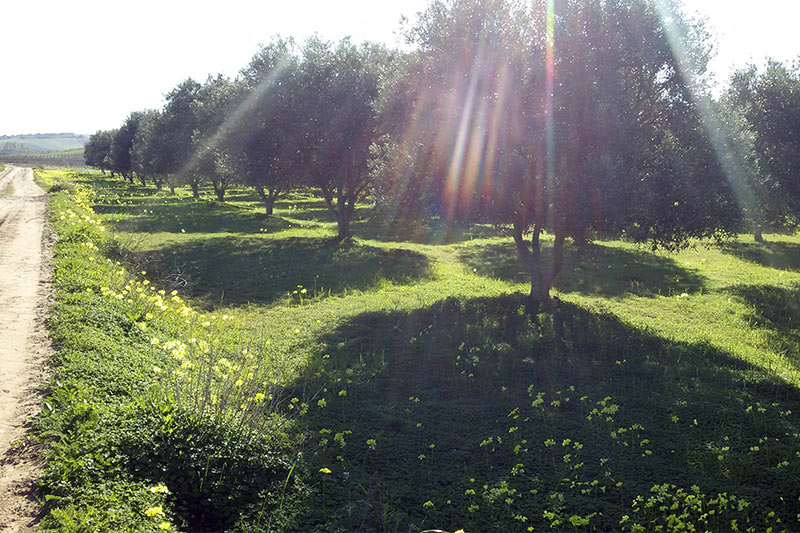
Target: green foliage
<point x="128" y="449"/>
<point x="122" y="144"/>
<point x="97" y="150"/>
<point x="340" y="87"/>
<point x="264" y="144"/>
<point x="765" y="108"/>
<point x="669" y="508"/>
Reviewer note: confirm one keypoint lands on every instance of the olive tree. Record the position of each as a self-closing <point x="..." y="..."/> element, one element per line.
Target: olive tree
<point x="177" y="128"/>
<point x="763" y="109"/>
<point x="264" y="138"/>
<point x="214" y="113"/>
<point x="574" y="119"/>
<point x="339" y="87"/>
<point x="96" y="152"/>
<point x="121" y="144"/>
<point x="148" y="151"/>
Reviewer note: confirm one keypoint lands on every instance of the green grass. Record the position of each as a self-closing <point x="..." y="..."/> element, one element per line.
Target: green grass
<point x="659" y="391"/>
<point x="126" y="450"/>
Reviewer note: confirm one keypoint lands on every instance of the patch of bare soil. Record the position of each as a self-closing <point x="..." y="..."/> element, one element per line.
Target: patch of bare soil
<point x="24" y="346"/>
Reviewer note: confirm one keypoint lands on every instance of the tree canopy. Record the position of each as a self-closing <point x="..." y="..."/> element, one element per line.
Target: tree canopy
<point x="264" y="139"/>
<point x="339" y="85"/>
<point x="763" y="112"/>
<point x="552" y="118"/>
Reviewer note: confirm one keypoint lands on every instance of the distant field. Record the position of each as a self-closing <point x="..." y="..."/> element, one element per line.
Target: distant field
<point x="67" y="158"/>
<point x="41" y="142"/>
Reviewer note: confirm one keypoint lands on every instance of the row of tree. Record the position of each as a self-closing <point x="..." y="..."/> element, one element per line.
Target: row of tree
<point x="578" y="117"/>
<point x="288" y="120"/>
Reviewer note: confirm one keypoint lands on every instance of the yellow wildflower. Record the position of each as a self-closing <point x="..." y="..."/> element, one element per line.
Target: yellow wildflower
<point x="154" y="511"/>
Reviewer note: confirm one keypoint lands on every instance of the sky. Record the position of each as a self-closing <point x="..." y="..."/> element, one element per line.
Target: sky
<point x="83" y="65"/>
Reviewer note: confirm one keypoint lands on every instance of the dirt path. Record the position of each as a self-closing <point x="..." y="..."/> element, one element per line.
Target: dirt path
<point x="24" y="293"/>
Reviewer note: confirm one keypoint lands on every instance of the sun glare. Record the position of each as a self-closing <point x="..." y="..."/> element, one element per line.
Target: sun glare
<point x="732" y="164"/>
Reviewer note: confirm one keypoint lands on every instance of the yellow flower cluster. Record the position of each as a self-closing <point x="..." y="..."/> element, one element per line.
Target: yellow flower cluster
<point x="233" y="386"/>
<point x="75" y="219"/>
<point x="141" y="291"/>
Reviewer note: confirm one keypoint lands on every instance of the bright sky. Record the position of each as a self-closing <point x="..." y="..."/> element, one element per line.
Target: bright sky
<point x="83" y="65"/>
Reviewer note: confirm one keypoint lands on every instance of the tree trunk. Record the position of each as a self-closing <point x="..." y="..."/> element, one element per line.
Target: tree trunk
<point x="219" y="190"/>
<point x="343" y="225"/>
<point x="557" y="260"/>
<point x="267" y="199"/>
<point x="540" y="291"/>
<point x="129" y="177"/>
<point x="757" y="234"/>
<point x="143" y="180"/>
<point x="195" y="189"/>
<point x="579" y="238"/>
<point x="344" y="214"/>
<point x="532" y="259"/>
<point x="542" y="278"/>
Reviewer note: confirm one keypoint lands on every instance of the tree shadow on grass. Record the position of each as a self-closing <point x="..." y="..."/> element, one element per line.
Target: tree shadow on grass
<point x="592" y="270"/>
<point x="241" y="270"/>
<point x="172" y="215"/>
<point x="431" y="415"/>
<point x="780" y="255"/>
<point x="776" y="309"/>
<point x="432" y="231"/>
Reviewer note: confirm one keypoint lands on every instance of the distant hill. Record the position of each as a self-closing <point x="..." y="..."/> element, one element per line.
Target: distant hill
<point x="37" y="143"/>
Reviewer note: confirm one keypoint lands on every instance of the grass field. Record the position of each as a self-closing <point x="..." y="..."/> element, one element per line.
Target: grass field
<point x="387" y="384"/>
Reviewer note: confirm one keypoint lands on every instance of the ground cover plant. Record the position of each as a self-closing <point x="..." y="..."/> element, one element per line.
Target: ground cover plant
<point x="294" y="382"/>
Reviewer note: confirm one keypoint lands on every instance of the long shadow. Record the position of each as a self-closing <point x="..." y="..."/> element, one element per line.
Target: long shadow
<point x="778" y="310"/>
<point x="476" y="405"/>
<point x="172" y="215"/>
<point x="240" y="270"/>
<point x="591" y="270"/>
<point x="375" y="226"/>
<point x="781" y="255"/>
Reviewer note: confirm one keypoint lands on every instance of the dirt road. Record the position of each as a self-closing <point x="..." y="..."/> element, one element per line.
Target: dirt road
<point x="24" y="292"/>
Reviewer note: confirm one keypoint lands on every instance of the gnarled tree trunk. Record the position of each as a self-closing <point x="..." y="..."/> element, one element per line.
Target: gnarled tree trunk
<point x="268" y="197"/>
<point x="542" y="276"/>
<point x="342" y="210"/>
<point x="757" y="235"/>
<point x="219" y="190"/>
